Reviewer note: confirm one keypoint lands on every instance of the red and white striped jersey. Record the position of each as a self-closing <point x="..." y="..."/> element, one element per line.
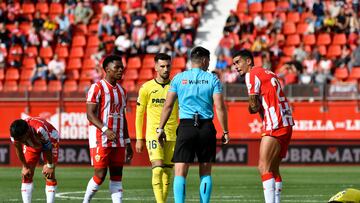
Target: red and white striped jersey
<point x="41" y="133"/>
<point x="277" y="112"/>
<point x="111" y="102"/>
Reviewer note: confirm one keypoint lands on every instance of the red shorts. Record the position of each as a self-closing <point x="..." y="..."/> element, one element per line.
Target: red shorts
<point x="283" y="136"/>
<point x="32" y="155"/>
<point x="110" y="156"/>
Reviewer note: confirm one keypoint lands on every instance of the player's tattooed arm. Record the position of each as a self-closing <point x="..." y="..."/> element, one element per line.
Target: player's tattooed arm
<point x="254" y="104"/>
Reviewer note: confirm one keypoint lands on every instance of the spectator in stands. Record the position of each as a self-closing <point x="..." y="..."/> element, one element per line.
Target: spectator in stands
<point x="13" y="12"/>
<point x="152" y="38"/>
<point x="154" y="6"/>
<point x="135" y="6"/>
<point x="137" y="16"/>
<point x="111" y="9"/>
<point x="56" y="69"/>
<point x="196" y="6"/>
<point x="175" y="25"/>
<point x="310" y="67"/>
<point x="40" y="71"/>
<point x="229" y="75"/>
<point x="355" y="56"/>
<point x="15" y="56"/>
<point x="161" y="23"/>
<point x="323" y="74"/>
<point x="122" y="44"/>
<point x="221" y="63"/>
<point x="188" y="24"/>
<point x="180" y="6"/>
<point x="4" y="35"/>
<point x="342" y="21"/>
<point x="318" y="11"/>
<point x="182" y="45"/>
<point x="288" y="73"/>
<point x="259" y="45"/>
<point x="138" y="35"/>
<point x="38" y="21"/>
<point x="344" y="59"/>
<point x="246" y="26"/>
<point x="83" y="13"/>
<point x="355" y="6"/>
<point x="120" y="24"/>
<point x="69" y="9"/>
<point x="300" y="53"/>
<point x="329" y="22"/>
<point x="277" y="24"/>
<point x="2" y="57"/>
<point x="354" y="25"/>
<point x="225" y="45"/>
<point x="165" y="42"/>
<point x="17" y="36"/>
<point x="232" y="22"/>
<point x="260" y="23"/>
<point x="33" y="37"/>
<point x="64" y="30"/>
<point x="266" y="60"/>
<point x="105" y="24"/>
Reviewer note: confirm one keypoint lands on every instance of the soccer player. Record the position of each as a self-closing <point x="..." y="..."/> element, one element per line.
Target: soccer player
<point x="267" y="98"/>
<point x="151" y="100"/>
<point x="108" y="131"/>
<point x="31" y="137"/>
<point x="197" y="91"/>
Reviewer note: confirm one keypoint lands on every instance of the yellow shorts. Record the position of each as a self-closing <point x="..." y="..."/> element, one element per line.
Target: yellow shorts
<point x="156" y="152"/>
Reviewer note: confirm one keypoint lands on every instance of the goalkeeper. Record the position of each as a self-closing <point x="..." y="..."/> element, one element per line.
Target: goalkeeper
<point x="151" y="100"/>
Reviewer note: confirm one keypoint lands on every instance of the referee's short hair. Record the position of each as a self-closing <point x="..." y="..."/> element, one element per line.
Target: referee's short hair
<point x="109" y="59"/>
<point x="245" y="54"/>
<point x="162" y="56"/>
<point x="199" y="53"/>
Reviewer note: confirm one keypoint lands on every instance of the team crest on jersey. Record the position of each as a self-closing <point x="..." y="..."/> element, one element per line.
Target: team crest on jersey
<point x="184" y="82"/>
<point x="97" y="158"/>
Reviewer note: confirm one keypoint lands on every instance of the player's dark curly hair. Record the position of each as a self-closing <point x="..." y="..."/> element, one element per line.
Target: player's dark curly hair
<point x="109" y="59"/>
<point x="245" y="54"/>
<point x="162" y="56"/>
<point x="199" y="53"/>
<point x="18" y="128"/>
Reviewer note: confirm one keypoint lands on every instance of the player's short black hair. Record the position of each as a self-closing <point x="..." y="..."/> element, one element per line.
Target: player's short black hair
<point x="245" y="54"/>
<point x="199" y="53"/>
<point x="18" y="128"/>
<point x="162" y="56"/>
<point x="109" y="59"/>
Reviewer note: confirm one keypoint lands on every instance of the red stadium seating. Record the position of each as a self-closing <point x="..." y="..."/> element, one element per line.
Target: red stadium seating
<point x="26" y="74"/>
<point x="148" y="61"/>
<point x="10" y="86"/>
<point x="293" y="17"/>
<point x="292" y="40"/>
<point x="74" y="63"/>
<point x="87" y="74"/>
<point x="12" y="74"/>
<point x="269" y="7"/>
<point x="309" y="39"/>
<point x="62" y="51"/>
<point x="334" y="51"/>
<point x="323" y="39"/>
<point x="178" y="62"/>
<point x="128" y="85"/>
<point x="29" y="63"/>
<point x="76" y="52"/>
<point x="56" y="9"/>
<point x="339" y="39"/>
<point x="24" y="86"/>
<point x="46" y="52"/>
<point x="31" y="51"/>
<point x="72" y="74"/>
<point x="289" y="28"/>
<point x="146" y="74"/>
<point x="341" y="73"/>
<point x="134" y="63"/>
<point x="70" y="86"/>
<point x="28" y="8"/>
<point x="39" y="86"/>
<point x="255" y="7"/>
<point x="79" y="41"/>
<point x="355" y="73"/>
<point x="301" y="28"/>
<point x="54" y="86"/>
<point x="84" y="85"/>
<point x="288" y="50"/>
<point x="131" y="74"/>
<point x="42" y="7"/>
<point x="2" y="74"/>
<point x="88" y="64"/>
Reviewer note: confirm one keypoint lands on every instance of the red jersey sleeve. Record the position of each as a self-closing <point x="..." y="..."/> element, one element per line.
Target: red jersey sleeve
<point x="93" y="95"/>
<point x="253" y="83"/>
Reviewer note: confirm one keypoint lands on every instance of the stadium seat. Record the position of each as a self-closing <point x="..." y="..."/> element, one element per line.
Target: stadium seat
<point x="242" y="7"/>
<point x="292" y="40"/>
<point x="28" y="63"/>
<point x="178" y="62"/>
<point x="148" y="61"/>
<point x="333" y="51"/>
<point x="293" y="17"/>
<point x="76" y="52"/>
<point x="87" y="74"/>
<point x="2" y="74"/>
<point x="175" y="71"/>
<point x="84" y="85"/>
<point x="24" y="86"/>
<point x="301" y="28"/>
<point x="134" y="63"/>
<point x="341" y="73"/>
<point x="39" y="86"/>
<point x="289" y="28"/>
<point x="10" y="86"/>
<point x="54" y="86"/>
<point x="74" y="63"/>
<point x="355" y="73"/>
<point x="305" y="15"/>
<point x="288" y="50"/>
<point x="31" y="51"/>
<point x="167" y="17"/>
<point x="80" y="29"/>
<point x="28" y="8"/>
<point x="72" y="74"/>
<point x="79" y="41"/>
<point x="283" y="5"/>
<point x="146" y="74"/>
<point x="90" y="51"/>
<point x="70" y="86"/>
<point x="12" y="74"/>
<point x="1" y="86"/>
<point x="131" y="74"/>
<point x="339" y="39"/>
<point x="255" y="7"/>
<point x="25" y="27"/>
<point x="309" y="39"/>
<point x="46" y="52"/>
<point x="62" y="51"/>
<point x="88" y="63"/>
<point x="150" y="17"/>
<point x="269" y="7"/>
<point x="56" y="8"/>
<point x="322" y="50"/>
<point x="93" y="28"/>
<point x="26" y="74"/>
<point x="42" y="7"/>
<point x="323" y="39"/>
<point x="128" y="85"/>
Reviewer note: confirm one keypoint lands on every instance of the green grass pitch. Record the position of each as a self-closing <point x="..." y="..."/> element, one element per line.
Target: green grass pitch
<point x="230" y="184"/>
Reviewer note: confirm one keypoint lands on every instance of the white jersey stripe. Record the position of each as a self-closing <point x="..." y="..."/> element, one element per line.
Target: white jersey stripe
<point x="122" y="121"/>
<point x="274" y="119"/>
<point x="106" y="109"/>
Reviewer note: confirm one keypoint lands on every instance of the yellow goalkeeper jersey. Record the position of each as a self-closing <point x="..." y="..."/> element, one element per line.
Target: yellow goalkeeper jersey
<point x="151" y="99"/>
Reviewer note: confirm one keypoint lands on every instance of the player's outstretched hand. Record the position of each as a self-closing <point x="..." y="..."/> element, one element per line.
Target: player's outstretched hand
<point x="129" y="153"/>
<point x="139" y="146"/>
<point x="161" y="138"/>
<point x="48" y="172"/>
<point x="225" y="138"/>
<point x="110" y="135"/>
<point x="26" y="172"/>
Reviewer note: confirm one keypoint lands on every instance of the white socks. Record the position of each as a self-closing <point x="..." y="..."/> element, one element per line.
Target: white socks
<point x="278" y="189"/>
<point x="50" y="191"/>
<point x="26" y="192"/>
<point x="268" y="182"/>
<point x="115" y="188"/>
<point x="91" y="189"/>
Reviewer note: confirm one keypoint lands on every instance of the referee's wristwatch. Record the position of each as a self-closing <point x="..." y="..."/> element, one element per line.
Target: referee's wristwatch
<point x="159" y="130"/>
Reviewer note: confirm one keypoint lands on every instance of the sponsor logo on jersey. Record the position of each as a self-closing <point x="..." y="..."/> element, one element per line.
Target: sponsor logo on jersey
<point x="158" y="101"/>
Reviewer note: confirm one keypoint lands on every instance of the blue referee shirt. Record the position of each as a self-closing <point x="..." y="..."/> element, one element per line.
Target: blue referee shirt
<point x="195" y="89"/>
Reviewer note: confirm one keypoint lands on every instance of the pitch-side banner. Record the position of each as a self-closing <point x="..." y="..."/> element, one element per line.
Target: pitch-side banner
<point x="340" y="120"/>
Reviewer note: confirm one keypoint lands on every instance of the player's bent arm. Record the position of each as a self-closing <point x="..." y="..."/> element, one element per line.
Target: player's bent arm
<point x="91" y="109"/>
<point x="221" y="111"/>
<point x="168" y="106"/>
<point x="139" y="120"/>
<point x="20" y="153"/>
<point x="254" y="104"/>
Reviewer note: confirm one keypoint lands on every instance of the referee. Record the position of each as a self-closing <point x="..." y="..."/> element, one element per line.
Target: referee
<point x="197" y="91"/>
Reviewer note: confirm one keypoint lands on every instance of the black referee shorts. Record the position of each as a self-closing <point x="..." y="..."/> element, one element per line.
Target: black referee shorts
<point x="192" y="140"/>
